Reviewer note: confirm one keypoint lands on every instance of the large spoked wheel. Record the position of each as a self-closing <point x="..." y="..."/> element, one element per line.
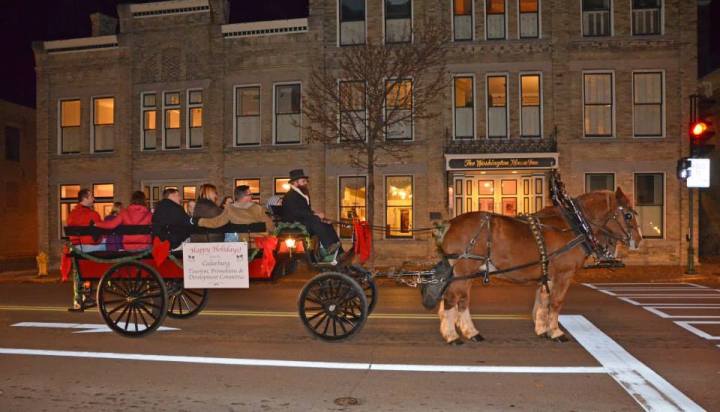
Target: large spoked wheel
<point x="333" y="306"/>
<point x="185" y="303"/>
<point x="132" y="299"/>
<point x="367" y="283"/>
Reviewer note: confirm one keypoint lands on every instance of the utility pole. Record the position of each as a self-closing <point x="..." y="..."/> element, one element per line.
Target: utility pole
<point x="691" y="232"/>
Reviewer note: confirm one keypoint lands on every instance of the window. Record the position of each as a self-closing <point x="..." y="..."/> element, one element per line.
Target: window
<point x="68" y="200"/>
<point x="254" y="185"/>
<point x="12" y="143"/>
<point x="70" y="126"/>
<point x="530" y="105"/>
<point x="398" y="110"/>
<point x="287" y="113"/>
<point x="646" y="17"/>
<point x="352" y="202"/>
<point x="104" y="197"/>
<point x="529" y="19"/>
<point x="649" y="200"/>
<point x="172" y="120"/>
<point x="195" y="118"/>
<point x="352" y="110"/>
<point x="103" y="124"/>
<point x="462" y="20"/>
<point x="495" y="19"/>
<point x="352" y="22"/>
<point x="247" y="115"/>
<point x="282" y="185"/>
<point x="399" y="206"/>
<point x="398" y="21"/>
<point x="598" y="104"/>
<point x="464" y="107"/>
<point x="596" y="17"/>
<point x="599" y="181"/>
<point x="497" y="106"/>
<point x="149" y="125"/>
<point x="648" y="108"/>
<point x="189" y="193"/>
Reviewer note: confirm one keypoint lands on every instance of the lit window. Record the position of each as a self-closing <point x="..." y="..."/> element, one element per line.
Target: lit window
<point x="149" y="110"/>
<point x="399" y="206"/>
<point x="463" y="106"/>
<point x="173" y="131"/>
<point x="195" y="118"/>
<point x="649" y="194"/>
<point x="598" y="104"/>
<point x="103" y="124"/>
<point x="104" y="197"/>
<point x="530" y="106"/>
<point x="599" y="181"/>
<point x="648" y="104"/>
<point x="495" y="19"/>
<point x="398" y="110"/>
<point x="68" y="200"/>
<point x="282" y="185"/>
<point x="352" y="22"/>
<point x="646" y="17"/>
<point x="398" y="21"/>
<point x="352" y="110"/>
<point x="529" y="21"/>
<point x="497" y="106"/>
<point x="247" y="116"/>
<point x="253" y="184"/>
<point x="352" y="203"/>
<point x="287" y="113"/>
<point x="462" y="20"/>
<point x="70" y="126"/>
<point x="596" y="18"/>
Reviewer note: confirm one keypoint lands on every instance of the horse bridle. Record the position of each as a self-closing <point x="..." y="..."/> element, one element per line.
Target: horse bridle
<point x="627" y="216"/>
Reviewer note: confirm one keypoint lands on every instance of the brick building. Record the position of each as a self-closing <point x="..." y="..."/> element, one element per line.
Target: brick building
<point x="176" y="96"/>
<point x="18" y="213"/>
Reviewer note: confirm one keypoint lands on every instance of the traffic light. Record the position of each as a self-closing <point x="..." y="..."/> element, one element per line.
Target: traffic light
<point x="700" y="132"/>
<point x="683" y="168"/>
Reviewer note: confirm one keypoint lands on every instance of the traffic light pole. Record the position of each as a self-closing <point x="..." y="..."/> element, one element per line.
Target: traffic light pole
<point x="691" y="227"/>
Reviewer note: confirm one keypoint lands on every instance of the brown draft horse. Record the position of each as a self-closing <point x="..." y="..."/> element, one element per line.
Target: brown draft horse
<point x="512" y="244"/>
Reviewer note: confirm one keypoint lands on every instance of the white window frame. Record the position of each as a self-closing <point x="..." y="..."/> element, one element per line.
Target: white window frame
<point x="507" y="105"/>
<point x="663" y="102"/>
<point x="165" y="107"/>
<point x="92" y="122"/>
<point x="338" y="24"/>
<point x="539" y="21"/>
<point x="662" y="21"/>
<point x="665" y="205"/>
<point x="472" y="22"/>
<point x="614" y="103"/>
<point x="412" y="24"/>
<point x="144" y="109"/>
<point x="474" y="108"/>
<point x="60" y="126"/>
<point x="274" y="113"/>
<point x="612" y="22"/>
<point x="412" y="110"/>
<point x="235" y="115"/>
<point x="385" y="207"/>
<point x="339" y="114"/>
<point x="485" y="13"/>
<point x="585" y="175"/>
<point x="188" y="108"/>
<point x="520" y="105"/>
<point x="339" y="201"/>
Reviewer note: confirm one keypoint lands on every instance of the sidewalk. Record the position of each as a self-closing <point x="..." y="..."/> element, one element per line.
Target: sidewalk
<point x="28" y="276"/>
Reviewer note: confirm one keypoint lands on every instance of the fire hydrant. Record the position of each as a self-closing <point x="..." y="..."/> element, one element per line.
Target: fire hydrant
<point x="42" y="264"/>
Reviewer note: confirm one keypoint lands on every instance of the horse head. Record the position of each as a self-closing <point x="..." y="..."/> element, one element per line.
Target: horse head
<point x="612" y="217"/>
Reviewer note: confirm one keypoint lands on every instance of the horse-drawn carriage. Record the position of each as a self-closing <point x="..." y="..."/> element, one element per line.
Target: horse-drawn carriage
<point x="136" y="290"/>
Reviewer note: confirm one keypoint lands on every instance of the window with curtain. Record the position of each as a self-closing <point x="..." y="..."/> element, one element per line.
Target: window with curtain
<point x="398" y="21"/>
<point x="463" y="107"/>
<point x="103" y="124"/>
<point x="649" y="203"/>
<point x="352" y="22"/>
<point x="648" y="104"/>
<point x="497" y="106"/>
<point x="495" y="19"/>
<point x="173" y="131"/>
<point x="646" y="17"/>
<point x="462" y="20"/>
<point x="598" y="104"/>
<point x="398" y="109"/>
<point x="352" y="110"/>
<point x="352" y="196"/>
<point x="69" y="126"/>
<point x="247" y="115"/>
<point x="529" y="19"/>
<point x="398" y="206"/>
<point x="195" y="118"/>
<point x="287" y="113"/>
<point x="599" y="181"/>
<point x="596" y="18"/>
<point x="149" y="120"/>
<point x="104" y="194"/>
<point x="530" y="105"/>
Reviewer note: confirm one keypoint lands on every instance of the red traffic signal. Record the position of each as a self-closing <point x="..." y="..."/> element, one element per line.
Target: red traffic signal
<point x="700" y="131"/>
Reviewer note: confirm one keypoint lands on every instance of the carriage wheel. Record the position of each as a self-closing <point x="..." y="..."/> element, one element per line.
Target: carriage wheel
<point x="185" y="303"/>
<point x="367" y="283"/>
<point x="132" y="299"/>
<point x="333" y="306"/>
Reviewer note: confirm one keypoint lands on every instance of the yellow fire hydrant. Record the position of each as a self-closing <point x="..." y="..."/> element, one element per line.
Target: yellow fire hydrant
<point x="42" y="263"/>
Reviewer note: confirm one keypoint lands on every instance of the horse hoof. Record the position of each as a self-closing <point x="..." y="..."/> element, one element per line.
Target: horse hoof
<point x="561" y="339"/>
<point x="456" y="342"/>
<point x="477" y="338"/>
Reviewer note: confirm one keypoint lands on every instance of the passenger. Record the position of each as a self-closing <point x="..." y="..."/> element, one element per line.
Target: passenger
<point x="113" y="242"/>
<point x="190" y="207"/>
<point x="296" y="208"/>
<point x="206" y="207"/>
<point x="84" y="215"/>
<point x="227" y="201"/>
<point x="242" y="211"/>
<point x="137" y="214"/>
<point x="170" y="222"/>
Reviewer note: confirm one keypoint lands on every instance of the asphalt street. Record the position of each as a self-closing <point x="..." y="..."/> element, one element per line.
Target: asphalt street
<point x="238" y="355"/>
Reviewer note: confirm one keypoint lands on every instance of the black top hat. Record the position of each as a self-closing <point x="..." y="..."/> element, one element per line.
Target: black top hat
<point x="297" y="174"/>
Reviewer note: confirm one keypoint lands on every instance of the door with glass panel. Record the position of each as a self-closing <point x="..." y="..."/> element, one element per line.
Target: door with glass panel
<point x="506" y="195"/>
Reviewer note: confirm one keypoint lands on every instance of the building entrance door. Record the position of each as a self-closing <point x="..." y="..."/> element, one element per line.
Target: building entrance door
<point x="153" y="191"/>
<point x="508" y="195"/>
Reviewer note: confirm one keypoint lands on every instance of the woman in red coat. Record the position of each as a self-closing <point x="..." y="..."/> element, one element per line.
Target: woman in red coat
<point x="135" y="214"/>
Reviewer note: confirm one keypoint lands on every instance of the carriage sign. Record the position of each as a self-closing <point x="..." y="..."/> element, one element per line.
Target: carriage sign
<point x="215" y="265"/>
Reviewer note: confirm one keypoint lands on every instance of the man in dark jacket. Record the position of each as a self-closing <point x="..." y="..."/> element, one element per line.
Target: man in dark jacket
<point x="170" y="222"/>
<point x="296" y="208"/>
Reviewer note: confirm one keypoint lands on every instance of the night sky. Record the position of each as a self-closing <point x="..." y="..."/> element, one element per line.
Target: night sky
<point x="25" y="21"/>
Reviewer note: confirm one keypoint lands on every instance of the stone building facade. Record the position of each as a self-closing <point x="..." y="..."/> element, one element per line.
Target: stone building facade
<point x="178" y="97"/>
<point x="18" y="213"/>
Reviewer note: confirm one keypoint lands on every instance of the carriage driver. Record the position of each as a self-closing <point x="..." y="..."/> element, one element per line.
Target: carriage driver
<point x="296" y="208"/>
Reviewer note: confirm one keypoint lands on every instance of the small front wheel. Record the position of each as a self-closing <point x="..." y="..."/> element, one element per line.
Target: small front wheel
<point x="333" y="306"/>
<point x="185" y="303"/>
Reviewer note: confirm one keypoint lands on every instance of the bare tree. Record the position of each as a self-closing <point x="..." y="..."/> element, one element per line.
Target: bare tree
<point x="366" y="98"/>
